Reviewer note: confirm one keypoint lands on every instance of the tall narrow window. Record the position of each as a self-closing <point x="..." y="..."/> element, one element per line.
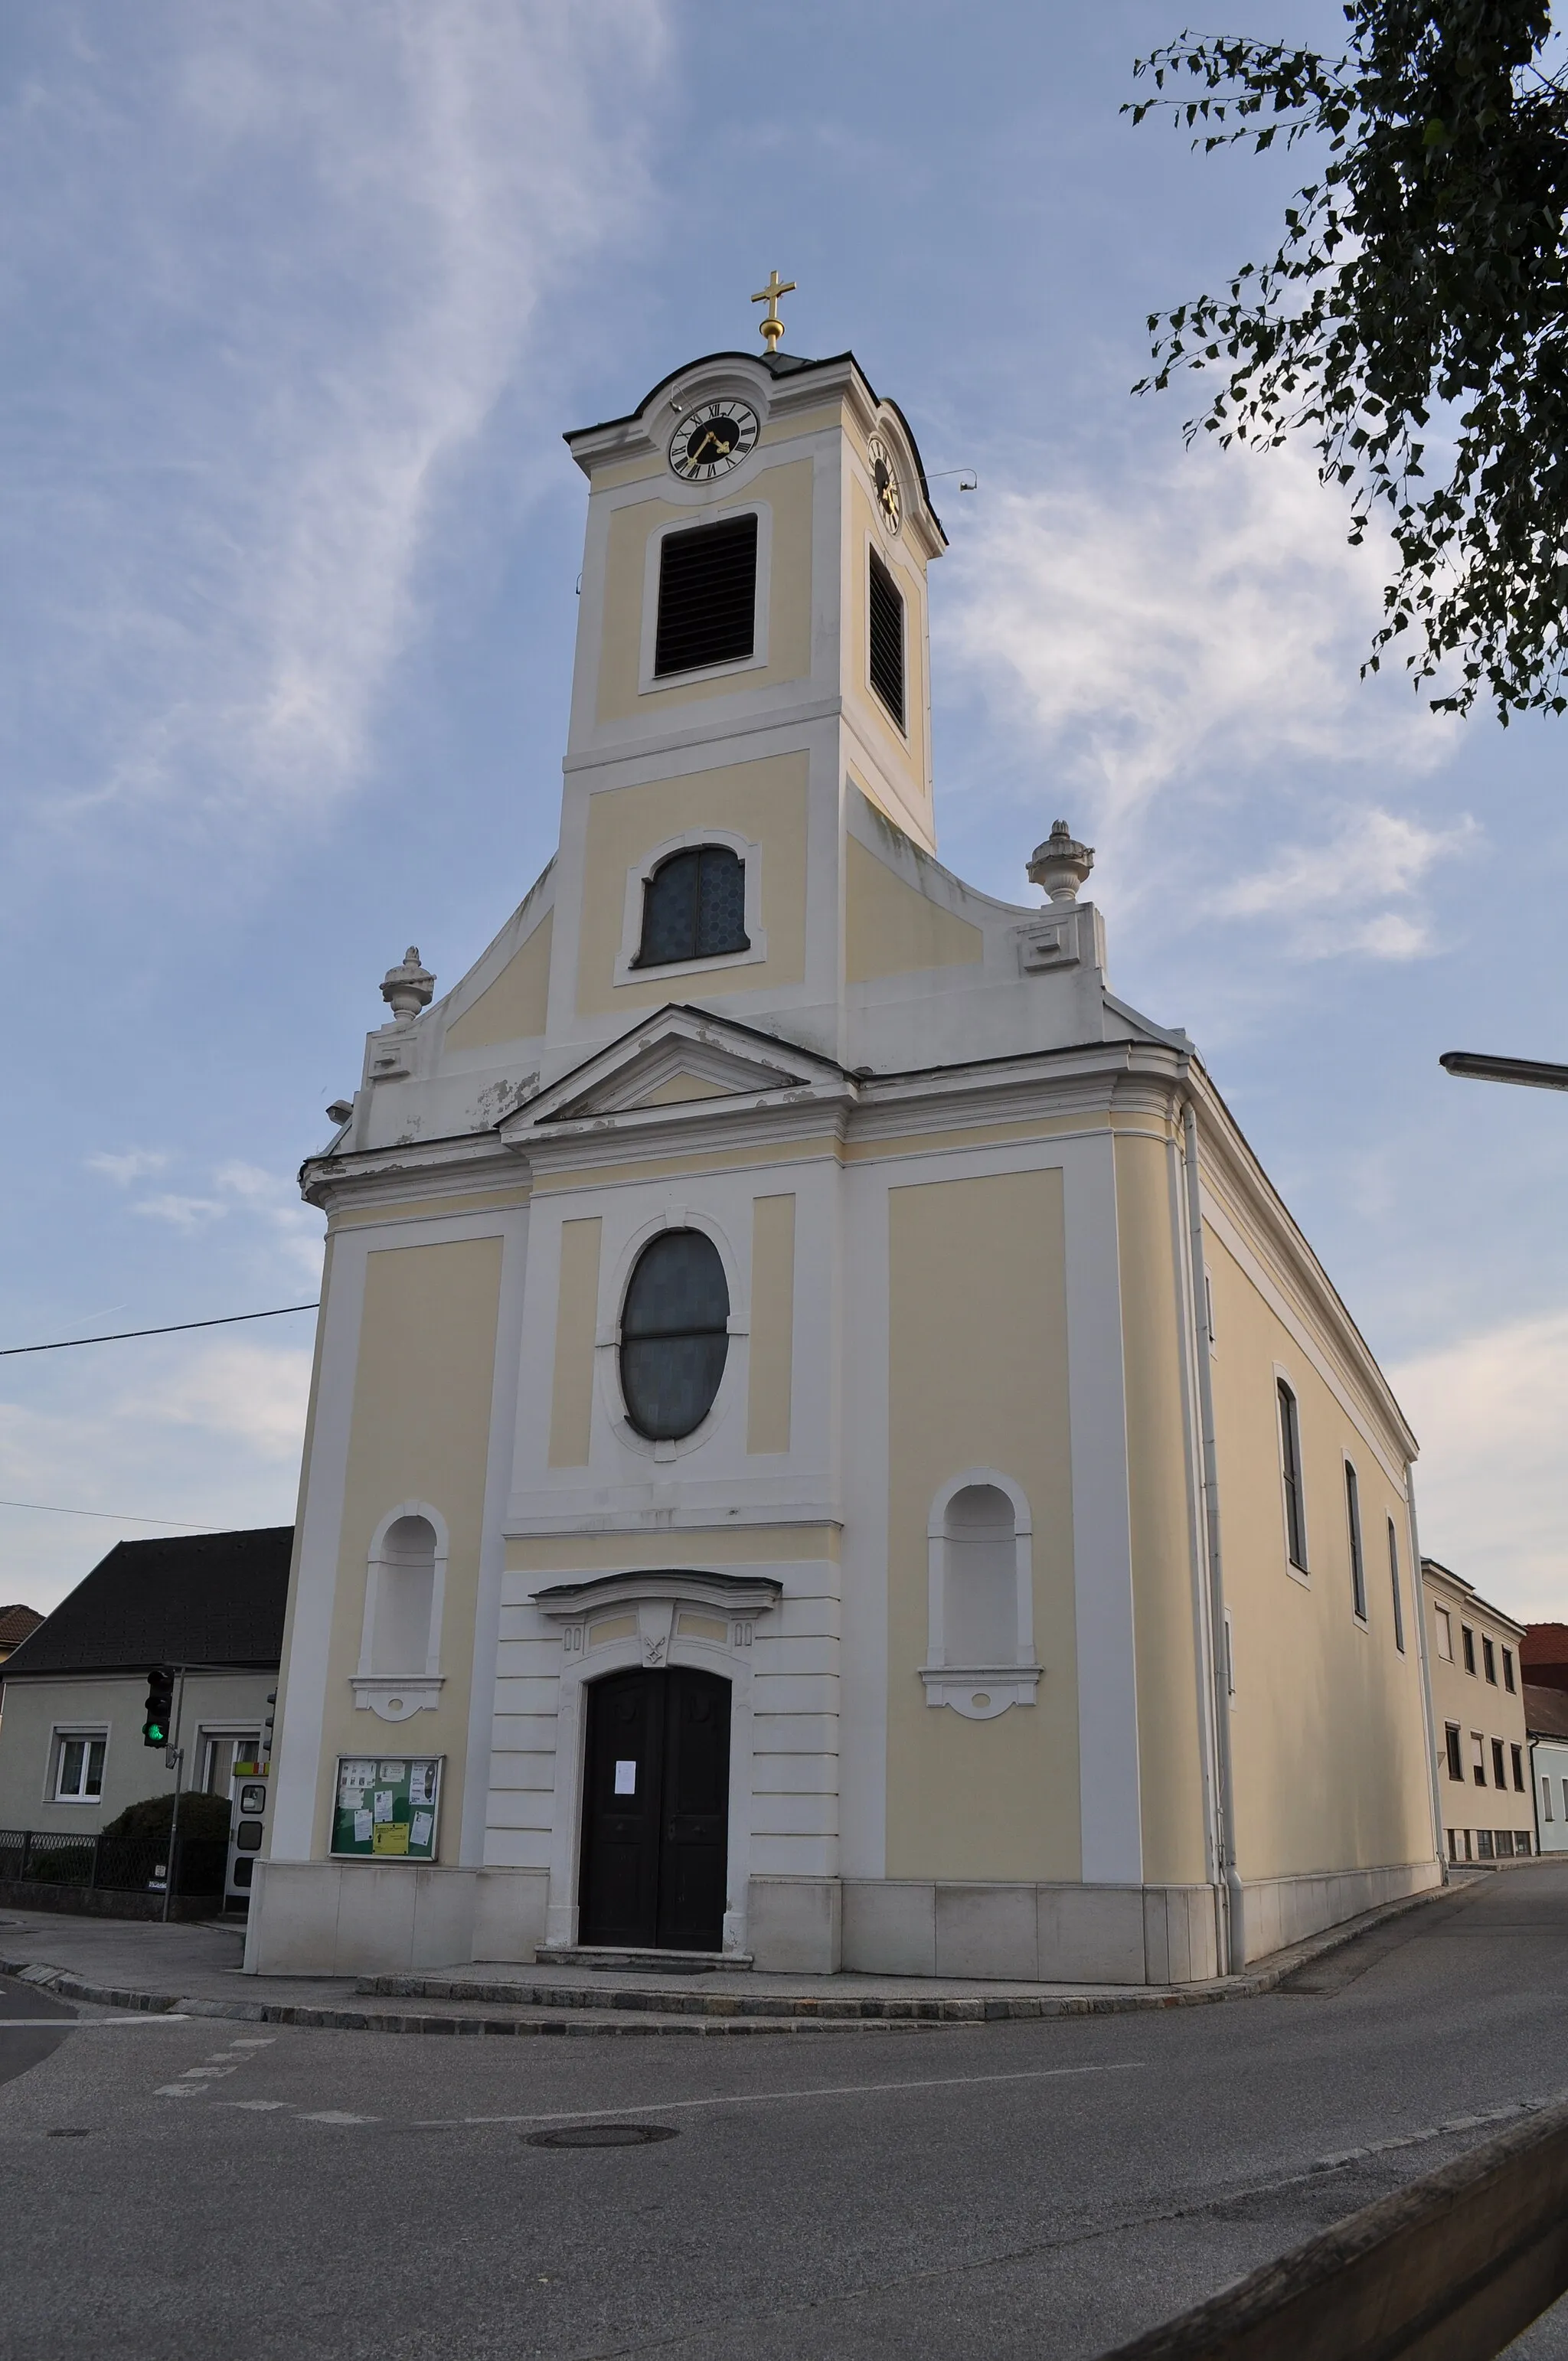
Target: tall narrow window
<point x="694" y="906"/>
<point x="1357" y="1564"/>
<point x="78" y="1770"/>
<point x="707" y="597"/>
<point x="1500" y="1774"/>
<point x="1490" y="1659"/>
<point x="1546" y="1800"/>
<point x="1394" y="1582"/>
<point x="1508" y="1672"/>
<point x="1442" y="1624"/>
<point x="675" y="1335"/>
<point x="1468" y="1637"/>
<point x="1456" y="1760"/>
<point x="1478" y="1767"/>
<point x="1516" y="1759"/>
<point x="887" y="639"/>
<point x="1291" y="1470"/>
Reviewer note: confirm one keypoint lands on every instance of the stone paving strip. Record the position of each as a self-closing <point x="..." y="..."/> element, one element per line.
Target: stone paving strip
<point x="558" y="2005"/>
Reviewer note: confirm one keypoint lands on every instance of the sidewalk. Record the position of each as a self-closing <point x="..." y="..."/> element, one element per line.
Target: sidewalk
<point x="128" y="1964"/>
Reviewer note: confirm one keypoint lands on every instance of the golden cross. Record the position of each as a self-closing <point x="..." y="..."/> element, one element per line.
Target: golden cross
<point x="771" y="328"/>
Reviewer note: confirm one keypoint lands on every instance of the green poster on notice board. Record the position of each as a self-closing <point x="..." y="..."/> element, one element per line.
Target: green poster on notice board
<point x="387" y="1806"/>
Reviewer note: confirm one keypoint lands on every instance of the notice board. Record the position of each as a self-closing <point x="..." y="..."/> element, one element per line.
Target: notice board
<point x="387" y="1806"/>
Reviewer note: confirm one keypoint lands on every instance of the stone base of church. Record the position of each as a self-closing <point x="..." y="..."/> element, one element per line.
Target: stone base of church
<point x="1276" y="1911"/>
<point x="1025" y="1934"/>
<point x="351" y="1918"/>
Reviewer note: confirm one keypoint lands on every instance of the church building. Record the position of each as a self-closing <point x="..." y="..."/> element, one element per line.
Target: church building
<point x="824" y="1447"/>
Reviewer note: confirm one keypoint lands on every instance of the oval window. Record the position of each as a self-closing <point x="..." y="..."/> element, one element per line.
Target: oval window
<point x="674" y="1335"/>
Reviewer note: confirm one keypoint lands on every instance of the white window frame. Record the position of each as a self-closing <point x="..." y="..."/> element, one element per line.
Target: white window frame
<point x="750" y="855"/>
<point x="980" y="1692"/>
<point x="393" y="1696"/>
<point x="92" y="1733"/>
<point x="1297" y="1572"/>
<point x="1442" y="1629"/>
<point x="652" y="684"/>
<point x="211" y="1733"/>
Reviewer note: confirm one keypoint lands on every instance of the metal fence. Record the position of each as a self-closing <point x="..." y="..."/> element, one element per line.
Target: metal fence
<point x="110" y="1864"/>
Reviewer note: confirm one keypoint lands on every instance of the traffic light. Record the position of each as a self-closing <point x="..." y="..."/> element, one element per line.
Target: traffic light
<point x="158" y="1728"/>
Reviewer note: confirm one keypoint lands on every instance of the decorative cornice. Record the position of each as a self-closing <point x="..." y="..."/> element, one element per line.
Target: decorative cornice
<point x="753" y="1594"/>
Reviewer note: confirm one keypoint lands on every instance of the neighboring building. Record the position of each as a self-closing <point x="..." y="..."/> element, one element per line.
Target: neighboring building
<point x="16" y="1624"/>
<point x="1477" y="1695"/>
<point x="1544" y="1653"/>
<point x="72" y="1754"/>
<point x="1546" y="1719"/>
<point x="792" y="1341"/>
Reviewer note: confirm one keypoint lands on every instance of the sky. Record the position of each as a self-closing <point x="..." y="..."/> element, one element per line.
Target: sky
<point x="298" y="302"/>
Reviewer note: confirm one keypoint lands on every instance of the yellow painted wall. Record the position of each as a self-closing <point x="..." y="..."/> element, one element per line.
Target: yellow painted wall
<point x="514" y="1007"/>
<point x="787" y="489"/>
<point x="891" y="930"/>
<point x="1171" y="1756"/>
<point x="763" y="801"/>
<point x="700" y="1545"/>
<point x="978" y="1376"/>
<point x="1327" y="1733"/>
<point x="772" y="1323"/>
<point x="421" y="1430"/>
<point x="576" y="1320"/>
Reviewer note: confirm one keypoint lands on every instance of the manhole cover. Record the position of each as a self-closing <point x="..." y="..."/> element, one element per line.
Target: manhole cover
<point x="602" y="2136"/>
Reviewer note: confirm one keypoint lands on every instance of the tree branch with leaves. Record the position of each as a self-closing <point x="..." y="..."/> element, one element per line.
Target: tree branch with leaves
<point x="1414" y="318"/>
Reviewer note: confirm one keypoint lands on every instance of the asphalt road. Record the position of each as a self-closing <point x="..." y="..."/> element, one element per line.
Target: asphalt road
<point x="205" y="2188"/>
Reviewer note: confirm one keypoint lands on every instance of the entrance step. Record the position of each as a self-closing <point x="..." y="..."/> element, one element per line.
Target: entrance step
<point x="605" y="1960"/>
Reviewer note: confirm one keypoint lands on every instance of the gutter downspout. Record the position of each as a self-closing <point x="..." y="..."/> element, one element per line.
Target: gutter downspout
<point x="1429" y="1718"/>
<point x="1235" y="1940"/>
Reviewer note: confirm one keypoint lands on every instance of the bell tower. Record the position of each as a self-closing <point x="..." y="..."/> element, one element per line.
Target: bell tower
<point x="752" y="654"/>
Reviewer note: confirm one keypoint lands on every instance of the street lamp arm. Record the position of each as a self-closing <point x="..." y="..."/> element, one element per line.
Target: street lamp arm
<point x="1471" y="1065"/>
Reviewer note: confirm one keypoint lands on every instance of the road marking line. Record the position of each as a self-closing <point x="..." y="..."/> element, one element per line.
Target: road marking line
<point x="257" y="2106"/>
<point x="331" y="2115"/>
<point x="180" y="2090"/>
<point x="760" y="2098"/>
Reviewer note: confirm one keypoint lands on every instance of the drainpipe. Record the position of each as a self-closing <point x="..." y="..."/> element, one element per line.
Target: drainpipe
<point x="1236" y="1943"/>
<point x="1429" y="1718"/>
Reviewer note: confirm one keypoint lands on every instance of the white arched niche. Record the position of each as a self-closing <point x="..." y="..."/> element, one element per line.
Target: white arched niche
<point x="405" y="1588"/>
<point x="981" y="1600"/>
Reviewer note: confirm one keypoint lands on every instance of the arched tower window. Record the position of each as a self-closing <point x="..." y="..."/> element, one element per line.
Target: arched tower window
<point x="675" y="1335"/>
<point x="694" y="906"/>
<point x="401" y="1638"/>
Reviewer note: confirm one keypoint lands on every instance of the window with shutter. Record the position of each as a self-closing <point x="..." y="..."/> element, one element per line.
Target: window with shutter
<point x="707" y="597"/>
<point x="694" y="906"/>
<point x="887" y="639"/>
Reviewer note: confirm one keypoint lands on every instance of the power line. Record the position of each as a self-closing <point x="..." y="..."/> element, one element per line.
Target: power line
<point x="113" y="1516"/>
<point x="175" y="1328"/>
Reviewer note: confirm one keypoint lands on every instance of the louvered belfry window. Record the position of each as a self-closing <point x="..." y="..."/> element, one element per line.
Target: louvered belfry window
<point x="694" y="906"/>
<point x="887" y="639"/>
<point x="707" y="597"/>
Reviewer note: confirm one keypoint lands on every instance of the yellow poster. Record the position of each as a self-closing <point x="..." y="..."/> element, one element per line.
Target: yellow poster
<point x="389" y="1836"/>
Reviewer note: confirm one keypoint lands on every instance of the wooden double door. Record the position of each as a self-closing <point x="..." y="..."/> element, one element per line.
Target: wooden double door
<point x="656" y="1811"/>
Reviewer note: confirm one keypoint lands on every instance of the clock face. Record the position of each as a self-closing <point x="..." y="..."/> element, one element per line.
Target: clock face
<point x="885" y="476"/>
<point x="713" y="440"/>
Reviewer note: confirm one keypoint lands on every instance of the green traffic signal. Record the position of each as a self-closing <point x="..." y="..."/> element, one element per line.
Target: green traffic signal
<point x="159" y="1716"/>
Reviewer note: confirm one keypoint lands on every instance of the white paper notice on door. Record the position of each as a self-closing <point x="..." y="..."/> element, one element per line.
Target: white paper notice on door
<point x="626" y="1778"/>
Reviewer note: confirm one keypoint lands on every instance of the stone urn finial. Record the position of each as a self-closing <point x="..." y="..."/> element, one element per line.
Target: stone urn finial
<point x="407" y="989"/>
<point x="1061" y="864"/>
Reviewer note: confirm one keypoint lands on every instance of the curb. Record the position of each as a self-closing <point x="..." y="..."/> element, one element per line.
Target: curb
<point x="808" y="2014"/>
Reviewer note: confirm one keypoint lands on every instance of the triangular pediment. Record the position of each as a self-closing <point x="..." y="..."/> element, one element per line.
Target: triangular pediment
<point x="679" y="1057"/>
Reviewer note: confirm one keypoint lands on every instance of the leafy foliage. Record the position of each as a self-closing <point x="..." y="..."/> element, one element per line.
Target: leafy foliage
<point x="199" y="1815"/>
<point x="1415" y="314"/>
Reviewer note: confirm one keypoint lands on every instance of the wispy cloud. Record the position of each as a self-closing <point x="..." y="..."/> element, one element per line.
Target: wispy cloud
<point x="253" y="1195"/>
<point x="254" y="1394"/>
<point x="308" y="244"/>
<point x="1370" y="857"/>
<point x="1488" y="1411"/>
<point x="127" y="1164"/>
<point x="1208" y="613"/>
